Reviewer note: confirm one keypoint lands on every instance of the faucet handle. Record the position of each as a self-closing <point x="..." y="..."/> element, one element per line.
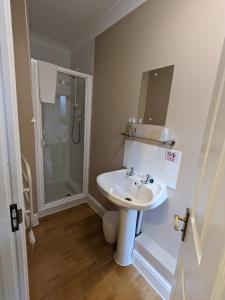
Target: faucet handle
<point x="148" y="179"/>
<point x="131" y="171"/>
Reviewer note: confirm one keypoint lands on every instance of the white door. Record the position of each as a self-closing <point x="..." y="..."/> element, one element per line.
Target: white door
<point x="8" y="263"/>
<point x="201" y="272"/>
<point x="13" y="261"/>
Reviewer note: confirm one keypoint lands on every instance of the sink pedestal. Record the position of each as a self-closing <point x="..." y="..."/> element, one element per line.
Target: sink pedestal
<point x="126" y="236"/>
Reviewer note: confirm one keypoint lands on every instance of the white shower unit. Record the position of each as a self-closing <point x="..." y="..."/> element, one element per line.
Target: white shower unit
<point x="62" y="139"/>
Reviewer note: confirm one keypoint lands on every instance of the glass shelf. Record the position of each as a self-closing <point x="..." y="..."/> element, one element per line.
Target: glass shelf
<point x="169" y="143"/>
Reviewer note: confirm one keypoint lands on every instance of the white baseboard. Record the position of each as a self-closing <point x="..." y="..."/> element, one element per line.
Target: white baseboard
<point x="63" y="206"/>
<point x="35" y="220"/>
<point x="157" y="256"/>
<point x="158" y="283"/>
<point x="95" y="205"/>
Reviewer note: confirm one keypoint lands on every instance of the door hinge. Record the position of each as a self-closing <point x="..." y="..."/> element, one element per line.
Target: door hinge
<point x="185" y="220"/>
<point x="16" y="216"/>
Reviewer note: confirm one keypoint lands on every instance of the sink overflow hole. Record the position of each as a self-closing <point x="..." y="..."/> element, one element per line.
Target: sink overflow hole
<point x="128" y="199"/>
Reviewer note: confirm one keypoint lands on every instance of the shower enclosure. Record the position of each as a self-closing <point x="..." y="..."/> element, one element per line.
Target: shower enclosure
<point x="62" y="132"/>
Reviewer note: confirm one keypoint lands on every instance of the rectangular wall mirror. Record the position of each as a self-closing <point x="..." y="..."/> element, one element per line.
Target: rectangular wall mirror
<point x="154" y="95"/>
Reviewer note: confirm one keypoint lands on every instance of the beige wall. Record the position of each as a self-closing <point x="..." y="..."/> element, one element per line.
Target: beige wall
<point x="83" y="58"/>
<point x="23" y="83"/>
<point x="186" y="34"/>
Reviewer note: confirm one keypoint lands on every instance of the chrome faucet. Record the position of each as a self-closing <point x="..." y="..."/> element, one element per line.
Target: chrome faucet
<point x="148" y="179"/>
<point x="131" y="172"/>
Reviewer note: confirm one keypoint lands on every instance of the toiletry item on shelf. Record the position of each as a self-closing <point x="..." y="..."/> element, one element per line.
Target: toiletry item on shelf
<point x="165" y="135"/>
<point x="128" y="127"/>
<point x="131" y="127"/>
<point x="140" y="121"/>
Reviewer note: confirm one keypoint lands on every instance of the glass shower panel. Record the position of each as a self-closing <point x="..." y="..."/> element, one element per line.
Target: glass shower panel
<point x="63" y="139"/>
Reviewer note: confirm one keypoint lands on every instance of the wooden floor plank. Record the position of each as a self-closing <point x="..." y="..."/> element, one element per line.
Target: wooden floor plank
<point x="73" y="261"/>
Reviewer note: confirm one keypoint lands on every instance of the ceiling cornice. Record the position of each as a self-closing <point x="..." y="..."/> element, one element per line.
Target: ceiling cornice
<point x="119" y="10"/>
<point x="50" y="43"/>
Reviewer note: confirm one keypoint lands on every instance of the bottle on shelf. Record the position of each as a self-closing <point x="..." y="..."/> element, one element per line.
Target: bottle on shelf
<point x="131" y="126"/>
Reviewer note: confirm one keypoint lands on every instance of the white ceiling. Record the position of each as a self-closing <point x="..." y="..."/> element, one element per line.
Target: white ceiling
<point x="73" y="22"/>
<point x="65" y="21"/>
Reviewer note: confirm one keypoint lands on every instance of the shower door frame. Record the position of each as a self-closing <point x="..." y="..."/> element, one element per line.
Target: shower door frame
<point x="46" y="208"/>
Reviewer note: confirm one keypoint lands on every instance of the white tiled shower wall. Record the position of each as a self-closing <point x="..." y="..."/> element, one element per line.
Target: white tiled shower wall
<point x="56" y="133"/>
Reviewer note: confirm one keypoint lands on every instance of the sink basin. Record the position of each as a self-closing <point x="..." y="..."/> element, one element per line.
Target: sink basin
<point x="130" y="195"/>
<point x="129" y="191"/>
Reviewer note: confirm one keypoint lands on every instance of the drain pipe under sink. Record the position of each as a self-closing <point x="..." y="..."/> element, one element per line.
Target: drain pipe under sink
<point x="139" y="222"/>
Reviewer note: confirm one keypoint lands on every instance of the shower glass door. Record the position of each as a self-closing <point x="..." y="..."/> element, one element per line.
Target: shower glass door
<point x="63" y="139"/>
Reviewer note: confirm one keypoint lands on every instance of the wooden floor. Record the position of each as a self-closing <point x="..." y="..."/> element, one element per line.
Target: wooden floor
<point x="72" y="261"/>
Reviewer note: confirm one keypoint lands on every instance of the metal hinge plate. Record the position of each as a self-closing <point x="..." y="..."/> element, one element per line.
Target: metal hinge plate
<point x="16" y="216"/>
<point x="185" y="220"/>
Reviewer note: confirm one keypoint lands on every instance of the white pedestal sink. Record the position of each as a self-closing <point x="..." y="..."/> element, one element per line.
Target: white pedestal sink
<point x="130" y="195"/>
